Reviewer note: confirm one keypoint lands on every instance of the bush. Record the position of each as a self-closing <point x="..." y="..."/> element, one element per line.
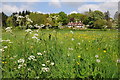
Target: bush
<point x="99" y="24"/>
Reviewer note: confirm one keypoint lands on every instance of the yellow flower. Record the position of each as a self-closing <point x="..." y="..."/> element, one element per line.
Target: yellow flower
<point x="78" y="63"/>
<point x="104" y="51"/>
<point x="4" y="62"/>
<point x="79" y="56"/>
<point x="31" y="46"/>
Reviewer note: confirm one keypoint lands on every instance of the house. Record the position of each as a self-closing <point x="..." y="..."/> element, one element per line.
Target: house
<point x="75" y="24"/>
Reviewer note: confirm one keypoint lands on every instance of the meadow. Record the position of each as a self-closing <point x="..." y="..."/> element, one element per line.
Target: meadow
<point x="59" y="54"/>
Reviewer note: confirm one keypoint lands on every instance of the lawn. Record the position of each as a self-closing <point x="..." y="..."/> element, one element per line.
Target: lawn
<point x="59" y="54"/>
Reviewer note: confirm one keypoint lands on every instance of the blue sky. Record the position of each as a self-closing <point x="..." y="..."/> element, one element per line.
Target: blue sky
<point x="55" y="7"/>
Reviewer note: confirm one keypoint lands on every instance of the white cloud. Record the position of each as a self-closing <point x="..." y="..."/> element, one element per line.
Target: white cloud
<point x="110" y="6"/>
<point x="41" y="12"/>
<point x="89" y="0"/>
<point x="55" y="3"/>
<point x="60" y="0"/>
<point x="8" y="9"/>
<point x="25" y="0"/>
<point x="0" y="7"/>
<point x="73" y="12"/>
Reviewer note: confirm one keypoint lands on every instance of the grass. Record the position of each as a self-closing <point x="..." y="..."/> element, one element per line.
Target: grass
<point x="63" y="54"/>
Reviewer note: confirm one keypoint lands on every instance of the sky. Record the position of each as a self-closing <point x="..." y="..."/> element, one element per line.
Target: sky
<point x="55" y="6"/>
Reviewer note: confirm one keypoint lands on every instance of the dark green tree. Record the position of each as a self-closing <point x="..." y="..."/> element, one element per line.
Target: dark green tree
<point x="63" y="18"/>
<point x="107" y="15"/>
<point x="4" y="18"/>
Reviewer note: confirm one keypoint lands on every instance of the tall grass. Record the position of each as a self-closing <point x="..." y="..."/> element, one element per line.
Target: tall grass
<point x="60" y="54"/>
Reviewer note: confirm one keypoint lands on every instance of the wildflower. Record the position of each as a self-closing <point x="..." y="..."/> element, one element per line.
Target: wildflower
<point x="45" y="69"/>
<point x="31" y="46"/>
<point x="29" y="20"/>
<point x="8" y="29"/>
<point x="37" y="30"/>
<point x="35" y="34"/>
<point x="44" y="51"/>
<point x="28" y="31"/>
<point x="11" y="58"/>
<point x="118" y="61"/>
<point x="71" y="32"/>
<point x="5" y="40"/>
<point x="48" y="61"/>
<point x="2" y="50"/>
<point x="37" y="77"/>
<point x="52" y="63"/>
<point x="29" y="69"/>
<point x="70" y="48"/>
<point x="34" y="37"/>
<point x="72" y="39"/>
<point x="68" y="55"/>
<point x="73" y="59"/>
<point x="4" y="62"/>
<point x="79" y="56"/>
<point x="21" y="61"/>
<point x="5" y="46"/>
<point x="19" y="66"/>
<point x="96" y="56"/>
<point x="78" y="63"/>
<point x="10" y="42"/>
<point x="104" y="51"/>
<point x="30" y="26"/>
<point x="97" y="60"/>
<point x="31" y="57"/>
<point x="39" y="53"/>
<point x="43" y="64"/>
<point x="78" y="43"/>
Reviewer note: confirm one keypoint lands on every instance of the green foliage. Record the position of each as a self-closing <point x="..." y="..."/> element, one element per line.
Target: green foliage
<point x="63" y="18"/>
<point x="75" y="54"/>
<point x="4" y="18"/>
<point x="38" y="18"/>
<point x="92" y="17"/>
<point x="107" y="15"/>
<point x="77" y="17"/>
<point x="9" y="21"/>
<point x="53" y="19"/>
<point x="109" y="24"/>
<point x="100" y="24"/>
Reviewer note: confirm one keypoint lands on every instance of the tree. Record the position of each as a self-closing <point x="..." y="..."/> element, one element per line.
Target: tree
<point x="98" y="15"/>
<point x="116" y="15"/>
<point x="119" y="20"/>
<point x="9" y="21"/>
<point x="38" y="18"/>
<point x="63" y="18"/>
<point x="99" y="24"/>
<point x="109" y="24"/>
<point x="4" y="18"/>
<point x="76" y="17"/>
<point x="107" y="15"/>
<point x="90" y="10"/>
<point x="93" y="16"/>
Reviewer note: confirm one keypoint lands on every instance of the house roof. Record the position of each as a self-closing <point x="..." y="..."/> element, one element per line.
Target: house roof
<point x="75" y="24"/>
